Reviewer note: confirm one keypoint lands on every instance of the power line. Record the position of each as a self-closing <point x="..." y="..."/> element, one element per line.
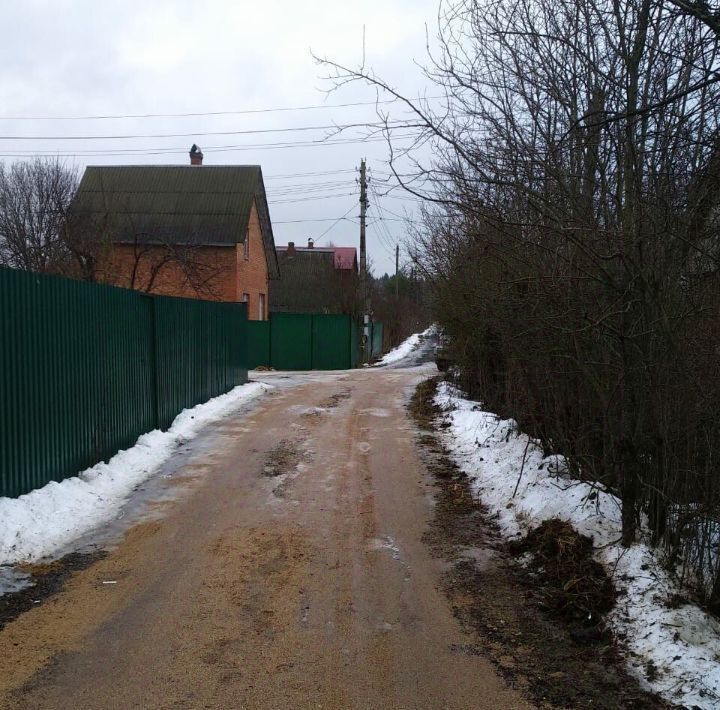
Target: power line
<point x="195" y="134"/>
<point x="338" y="220"/>
<point x="240" y="112"/>
<point x="294" y="175"/>
<point x="388" y="240"/>
<point x="310" y="187"/>
<point x="140" y="152"/>
<point x="311" y="198"/>
<point x="319" y="219"/>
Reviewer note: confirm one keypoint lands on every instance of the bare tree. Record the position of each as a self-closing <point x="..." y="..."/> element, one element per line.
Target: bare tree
<point x="108" y="244"/>
<point x="571" y="238"/>
<point x="34" y="200"/>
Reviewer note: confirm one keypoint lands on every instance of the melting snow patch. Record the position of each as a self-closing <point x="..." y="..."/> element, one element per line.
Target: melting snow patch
<point x="44" y="521"/>
<point x="385" y="543"/>
<point x="406" y="347"/>
<point x="380" y="413"/>
<point x="675" y="652"/>
<point x="13" y="580"/>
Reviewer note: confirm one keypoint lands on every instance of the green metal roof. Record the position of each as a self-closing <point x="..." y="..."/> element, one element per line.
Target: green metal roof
<point x="199" y="205"/>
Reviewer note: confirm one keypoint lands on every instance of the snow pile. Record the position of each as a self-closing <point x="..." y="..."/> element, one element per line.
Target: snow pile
<point x="674" y="652"/>
<point x="42" y="522"/>
<point x="406" y="347"/>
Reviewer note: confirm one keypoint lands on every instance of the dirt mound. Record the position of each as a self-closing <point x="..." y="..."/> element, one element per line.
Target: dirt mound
<point x="575" y="585"/>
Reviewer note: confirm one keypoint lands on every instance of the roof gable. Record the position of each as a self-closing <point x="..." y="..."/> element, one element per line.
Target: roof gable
<point x="189" y="205"/>
<point x="345" y="258"/>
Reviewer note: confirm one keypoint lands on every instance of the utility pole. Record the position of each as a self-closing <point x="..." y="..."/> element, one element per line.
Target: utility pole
<point x="364" y="285"/>
<point x="397" y="272"/>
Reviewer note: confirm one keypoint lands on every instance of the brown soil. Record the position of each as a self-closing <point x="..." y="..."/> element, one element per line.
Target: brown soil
<point x="281" y="459"/>
<point x="47" y="580"/>
<point x="533" y="634"/>
<point x="324" y="597"/>
<point x="334" y="400"/>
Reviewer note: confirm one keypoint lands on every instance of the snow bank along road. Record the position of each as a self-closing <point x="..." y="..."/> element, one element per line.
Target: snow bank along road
<point x="291" y="573"/>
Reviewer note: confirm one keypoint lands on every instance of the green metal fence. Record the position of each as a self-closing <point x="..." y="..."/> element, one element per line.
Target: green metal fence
<point x="302" y="341"/>
<point x="85" y="369"/>
<point x="258" y="343"/>
<point x="376" y="340"/>
<point x="291" y="345"/>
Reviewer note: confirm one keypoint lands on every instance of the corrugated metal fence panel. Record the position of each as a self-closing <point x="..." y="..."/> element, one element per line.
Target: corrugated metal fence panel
<point x="201" y="352"/>
<point x="355" y="343"/>
<point x="291" y="341"/>
<point x="302" y="341"/>
<point x="258" y="343"/>
<point x="331" y="342"/>
<point x="376" y="343"/>
<point x="85" y="369"/>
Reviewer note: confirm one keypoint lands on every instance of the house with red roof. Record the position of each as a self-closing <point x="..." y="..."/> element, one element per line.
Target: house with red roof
<point x="316" y="280"/>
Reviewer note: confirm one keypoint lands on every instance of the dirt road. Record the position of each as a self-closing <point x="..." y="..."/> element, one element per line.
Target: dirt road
<point x="290" y="572"/>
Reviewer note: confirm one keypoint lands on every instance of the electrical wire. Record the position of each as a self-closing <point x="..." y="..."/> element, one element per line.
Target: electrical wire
<point x="140" y="152"/>
<point x="319" y="219"/>
<point x="239" y="112"/>
<point x="308" y="199"/>
<point x="195" y="134"/>
<point x="337" y="221"/>
<point x="315" y="174"/>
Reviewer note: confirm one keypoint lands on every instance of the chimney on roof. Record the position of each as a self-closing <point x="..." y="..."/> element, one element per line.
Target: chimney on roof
<point x="291" y="249"/>
<point x="311" y="243"/>
<point x="196" y="155"/>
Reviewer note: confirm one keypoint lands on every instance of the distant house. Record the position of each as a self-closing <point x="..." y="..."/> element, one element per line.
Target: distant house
<point x="316" y="280"/>
<point x="194" y="231"/>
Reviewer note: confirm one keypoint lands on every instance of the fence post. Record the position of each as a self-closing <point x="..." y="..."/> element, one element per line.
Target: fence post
<point x="312" y="341"/>
<point x="154" y="374"/>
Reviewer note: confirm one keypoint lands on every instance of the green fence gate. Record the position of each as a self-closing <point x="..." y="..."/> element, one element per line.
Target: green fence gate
<point x="85" y="369"/>
<point x="302" y="341"/>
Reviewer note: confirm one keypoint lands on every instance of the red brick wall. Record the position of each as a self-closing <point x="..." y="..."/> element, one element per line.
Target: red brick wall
<point x="212" y="273"/>
<point x="203" y="272"/>
<point x="252" y="273"/>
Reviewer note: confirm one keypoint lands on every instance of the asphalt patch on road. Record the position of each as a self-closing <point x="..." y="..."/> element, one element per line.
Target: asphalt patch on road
<point x="509" y="598"/>
<point x="47" y="580"/>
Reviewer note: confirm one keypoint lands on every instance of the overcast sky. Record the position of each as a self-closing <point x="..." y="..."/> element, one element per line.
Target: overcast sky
<point x="89" y="58"/>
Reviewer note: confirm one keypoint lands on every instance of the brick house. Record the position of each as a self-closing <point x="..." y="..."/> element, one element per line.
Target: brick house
<point x="194" y="231"/>
<point x="316" y="280"/>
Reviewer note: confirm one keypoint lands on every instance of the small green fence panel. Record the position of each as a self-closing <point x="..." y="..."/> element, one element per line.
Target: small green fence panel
<point x="85" y="369"/>
<point x="356" y="343"/>
<point x="331" y="342"/>
<point x="258" y="343"/>
<point x="376" y="340"/>
<point x="291" y="341"/>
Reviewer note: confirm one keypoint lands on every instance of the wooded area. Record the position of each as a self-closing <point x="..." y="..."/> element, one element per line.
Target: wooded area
<point x="572" y="241"/>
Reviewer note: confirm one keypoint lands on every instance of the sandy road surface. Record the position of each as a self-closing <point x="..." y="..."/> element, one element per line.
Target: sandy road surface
<point x="291" y="574"/>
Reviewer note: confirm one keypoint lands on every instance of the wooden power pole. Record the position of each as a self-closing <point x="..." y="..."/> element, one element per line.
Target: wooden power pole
<point x="364" y="285"/>
<point x="397" y="272"/>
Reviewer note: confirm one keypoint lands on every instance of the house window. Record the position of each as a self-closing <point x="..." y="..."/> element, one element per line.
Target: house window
<point x="247" y="244"/>
<point x="246" y="298"/>
<point x="261" y="307"/>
